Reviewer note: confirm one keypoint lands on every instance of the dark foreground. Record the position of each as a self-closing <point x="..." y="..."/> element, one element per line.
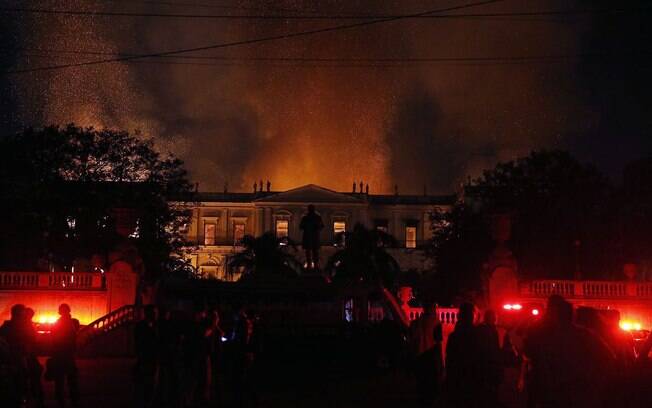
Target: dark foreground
<point x="108" y="382"/>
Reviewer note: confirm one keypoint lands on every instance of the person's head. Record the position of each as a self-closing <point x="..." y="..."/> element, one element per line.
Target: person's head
<point x="17" y="311"/>
<point x="64" y="309"/>
<point x="150" y="312"/>
<point x="559" y="311"/>
<point x="29" y="314"/>
<point x="311" y="209"/>
<point x="490" y="317"/>
<point x="466" y="313"/>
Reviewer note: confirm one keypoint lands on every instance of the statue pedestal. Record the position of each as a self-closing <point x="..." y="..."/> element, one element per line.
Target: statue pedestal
<point x="121" y="285"/>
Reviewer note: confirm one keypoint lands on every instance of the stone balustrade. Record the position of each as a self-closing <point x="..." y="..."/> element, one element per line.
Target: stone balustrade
<point x="51" y="280"/>
<point x="587" y="289"/>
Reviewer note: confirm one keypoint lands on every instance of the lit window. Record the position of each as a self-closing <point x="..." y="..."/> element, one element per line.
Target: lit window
<point x="339" y="228"/>
<point x="410" y="237"/>
<point x="209" y="234"/>
<point x="72" y="222"/>
<point x="136" y="232"/>
<point x="282" y="228"/>
<point x="238" y="232"/>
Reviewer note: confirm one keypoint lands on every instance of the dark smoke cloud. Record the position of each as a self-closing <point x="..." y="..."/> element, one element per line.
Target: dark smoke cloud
<point x="413" y="125"/>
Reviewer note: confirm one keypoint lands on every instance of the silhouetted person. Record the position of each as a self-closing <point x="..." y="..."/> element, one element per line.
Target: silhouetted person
<point x="391" y="341"/>
<point x="243" y="356"/>
<point x="9" y="376"/>
<point x="171" y="334"/>
<point x="490" y="361"/>
<point x="64" y="338"/>
<point x="194" y="359"/>
<point x="14" y="334"/>
<point x="462" y="360"/>
<point x="214" y="337"/>
<point x="426" y="337"/>
<point x="311" y="225"/>
<point x="34" y="368"/>
<point x="569" y="363"/>
<point x="146" y="344"/>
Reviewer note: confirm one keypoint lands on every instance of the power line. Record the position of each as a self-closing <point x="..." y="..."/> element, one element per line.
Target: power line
<point x="420" y="16"/>
<point x="251" y="41"/>
<point x="358" y="62"/>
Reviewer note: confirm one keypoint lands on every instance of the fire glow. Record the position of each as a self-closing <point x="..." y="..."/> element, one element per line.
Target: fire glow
<point x="629" y="325"/>
<point x="47" y="318"/>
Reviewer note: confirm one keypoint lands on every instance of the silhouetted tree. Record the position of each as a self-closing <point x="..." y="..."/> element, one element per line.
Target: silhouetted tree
<point x="266" y="257"/>
<point x="364" y="258"/>
<point x="366" y="268"/>
<point x="61" y="185"/>
<point x="460" y="244"/>
<point x="561" y="210"/>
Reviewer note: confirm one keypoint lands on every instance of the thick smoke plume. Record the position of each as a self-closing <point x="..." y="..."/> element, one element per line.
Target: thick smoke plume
<point x="414" y="125"/>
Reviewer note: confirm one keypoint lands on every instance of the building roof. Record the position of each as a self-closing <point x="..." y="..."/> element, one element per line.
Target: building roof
<point x="312" y="193"/>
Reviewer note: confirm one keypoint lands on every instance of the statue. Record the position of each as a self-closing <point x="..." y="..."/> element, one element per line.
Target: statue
<point x="311" y="225"/>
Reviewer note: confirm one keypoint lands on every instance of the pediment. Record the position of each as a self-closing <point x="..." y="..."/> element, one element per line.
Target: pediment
<point x="308" y="194"/>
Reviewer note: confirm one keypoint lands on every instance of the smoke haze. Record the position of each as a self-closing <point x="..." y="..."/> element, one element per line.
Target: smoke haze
<point x="428" y="125"/>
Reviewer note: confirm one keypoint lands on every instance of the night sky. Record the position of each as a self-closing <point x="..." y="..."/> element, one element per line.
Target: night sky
<point x="415" y="102"/>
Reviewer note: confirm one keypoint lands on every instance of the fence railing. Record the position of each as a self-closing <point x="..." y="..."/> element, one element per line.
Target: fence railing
<point x="587" y="289"/>
<point x="51" y="280"/>
<point x="121" y="316"/>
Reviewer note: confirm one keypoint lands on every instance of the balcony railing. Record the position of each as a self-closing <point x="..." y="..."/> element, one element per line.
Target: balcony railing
<point x="51" y="280"/>
<point x="587" y="289"/>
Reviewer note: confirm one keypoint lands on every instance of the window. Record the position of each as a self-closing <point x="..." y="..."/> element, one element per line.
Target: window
<point x="410" y="237"/>
<point x="381" y="225"/>
<point x="282" y="228"/>
<point x="238" y="232"/>
<point x="209" y="234"/>
<point x="339" y="228"/>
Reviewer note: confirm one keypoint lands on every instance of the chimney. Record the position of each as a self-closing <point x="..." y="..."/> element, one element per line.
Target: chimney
<point x="255" y="187"/>
<point x="196" y="187"/>
<point x="361" y="187"/>
<point x="269" y="186"/>
<point x="395" y="189"/>
<point x="366" y="190"/>
<point x="354" y="186"/>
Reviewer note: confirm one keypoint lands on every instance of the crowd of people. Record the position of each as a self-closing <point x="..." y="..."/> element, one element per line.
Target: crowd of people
<point x="21" y="372"/>
<point x="185" y="361"/>
<point x="567" y="359"/>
